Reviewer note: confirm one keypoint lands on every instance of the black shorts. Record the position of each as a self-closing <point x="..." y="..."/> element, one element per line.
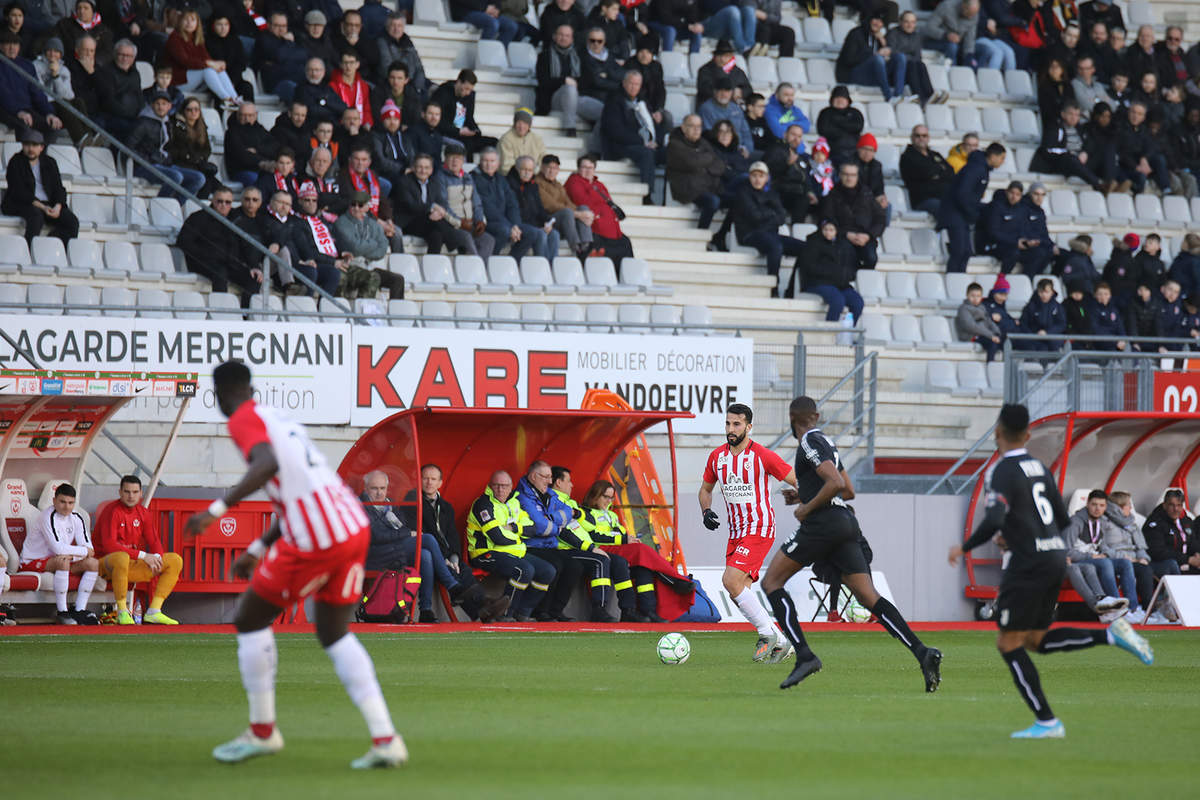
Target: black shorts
<point x="832" y="536"/>
<point x="1027" y="598"/>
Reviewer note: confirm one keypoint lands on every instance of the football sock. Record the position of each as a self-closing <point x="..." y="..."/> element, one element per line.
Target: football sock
<point x="754" y="612"/>
<point x="257" y="659"/>
<point x="357" y="673"/>
<point x="891" y="619"/>
<point x="62" y="580"/>
<point x="785" y="613"/>
<point x="5" y="581"/>
<point x="1060" y="640"/>
<point x="86" y="583"/>
<point x="1029" y="685"/>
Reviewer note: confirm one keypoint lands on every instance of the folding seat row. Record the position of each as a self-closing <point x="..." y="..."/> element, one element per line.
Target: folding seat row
<point x="50" y="300"/>
<point x="85" y="258"/>
<point x="631" y="318"/>
<point x="939" y="290"/>
<point x="965" y="378"/>
<point x="534" y="275"/>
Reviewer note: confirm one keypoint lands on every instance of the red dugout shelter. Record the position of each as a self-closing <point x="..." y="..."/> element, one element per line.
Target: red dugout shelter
<point x="1143" y="453"/>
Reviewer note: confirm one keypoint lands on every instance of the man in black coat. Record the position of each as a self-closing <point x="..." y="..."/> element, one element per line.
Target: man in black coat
<point x="830" y="266"/>
<point x="859" y="218"/>
<point x="961" y="204"/>
<point x="562" y="12"/>
<point x="293" y="130"/>
<point x="423" y="135"/>
<point x="706" y="76"/>
<point x="1171" y="540"/>
<point x="866" y="59"/>
<point x="925" y="172"/>
<point x="249" y="147"/>
<point x="791" y="173"/>
<point x="757" y="215"/>
<point x="419" y="206"/>
<point x="212" y="250"/>
<point x="39" y="205"/>
<point x="324" y="104"/>
<point x="1137" y="156"/>
<point x="457" y="99"/>
<point x="437" y="520"/>
<point x="627" y="130"/>
<point x="1056" y="156"/>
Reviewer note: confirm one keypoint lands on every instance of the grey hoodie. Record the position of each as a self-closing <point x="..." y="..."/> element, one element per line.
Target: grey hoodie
<point x="1127" y="540"/>
<point x="974" y="321"/>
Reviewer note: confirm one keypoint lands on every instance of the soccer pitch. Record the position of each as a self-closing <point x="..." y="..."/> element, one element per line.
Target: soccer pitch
<point x="556" y="715"/>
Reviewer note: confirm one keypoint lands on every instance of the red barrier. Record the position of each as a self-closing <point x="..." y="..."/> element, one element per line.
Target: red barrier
<point x="208" y="558"/>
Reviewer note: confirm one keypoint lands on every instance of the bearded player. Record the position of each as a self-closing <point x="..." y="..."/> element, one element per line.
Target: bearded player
<point x="316" y="546"/>
<point x="744" y="469"/>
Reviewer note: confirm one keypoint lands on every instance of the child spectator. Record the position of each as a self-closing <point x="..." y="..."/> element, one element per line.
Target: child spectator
<point x="1143" y="317"/>
<point x="997" y="308"/>
<point x="1120" y="273"/>
<point x="163" y="75"/>
<point x="973" y="324"/>
<point x="1075" y="310"/>
<point x="1042" y="315"/>
<point x="1078" y="267"/>
<point x="841" y="124"/>
<point x="1149" y="266"/>
<point x="1106" y="319"/>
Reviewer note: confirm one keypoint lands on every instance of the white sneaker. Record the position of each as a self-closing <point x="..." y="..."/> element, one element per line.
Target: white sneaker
<point x="392" y="754"/>
<point x="1109" y="603"/>
<point x="1112" y="616"/>
<point x="1157" y="618"/>
<point x="1136" y="617"/>
<point x="248" y="746"/>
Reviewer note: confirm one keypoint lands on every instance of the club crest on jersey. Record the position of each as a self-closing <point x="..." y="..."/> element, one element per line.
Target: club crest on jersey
<point x="228" y="526"/>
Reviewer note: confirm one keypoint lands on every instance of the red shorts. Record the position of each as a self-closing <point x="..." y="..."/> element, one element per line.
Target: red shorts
<point x="37" y="565"/>
<point x="748" y="553"/>
<point x="334" y="576"/>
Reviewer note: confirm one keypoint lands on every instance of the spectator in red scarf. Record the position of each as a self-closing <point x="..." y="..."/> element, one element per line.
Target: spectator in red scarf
<point x="283" y="178"/>
<point x="359" y="177"/>
<point x="351" y="88"/>
<point x="585" y="190"/>
<point x="85" y="20"/>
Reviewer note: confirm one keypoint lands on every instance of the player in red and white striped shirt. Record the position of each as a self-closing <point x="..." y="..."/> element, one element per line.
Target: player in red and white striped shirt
<point x="316" y="546"/>
<point x="744" y="469"/>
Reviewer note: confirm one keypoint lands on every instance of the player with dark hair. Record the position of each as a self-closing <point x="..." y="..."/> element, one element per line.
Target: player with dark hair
<point x="316" y="545"/>
<point x="1023" y="503"/>
<point x="829" y="533"/>
<point x="744" y="469"/>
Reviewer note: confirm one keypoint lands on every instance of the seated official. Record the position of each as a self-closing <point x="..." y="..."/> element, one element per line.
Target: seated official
<point x="130" y="551"/>
<point x="1171" y="538"/>
<point x="393" y="544"/>
<point x="495" y="545"/>
<point x="437" y="520"/>
<point x="60" y="544"/>
<point x="554" y="536"/>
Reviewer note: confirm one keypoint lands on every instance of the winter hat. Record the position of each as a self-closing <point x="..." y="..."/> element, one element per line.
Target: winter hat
<point x="1132" y="241"/>
<point x="868" y="140"/>
<point x="308" y="191"/>
<point x="389" y="109"/>
<point x="1002" y="284"/>
<point x="315" y="17"/>
<point x="838" y="91"/>
<point x="523" y="114"/>
<point x="53" y="43"/>
<point x="821" y="146"/>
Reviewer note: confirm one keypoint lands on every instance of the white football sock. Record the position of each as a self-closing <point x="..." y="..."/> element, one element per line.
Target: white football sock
<point x="62" y="581"/>
<point x="754" y="612"/>
<point x="87" y="582"/>
<point x="5" y="581"/>
<point x="357" y="673"/>
<point x="257" y="659"/>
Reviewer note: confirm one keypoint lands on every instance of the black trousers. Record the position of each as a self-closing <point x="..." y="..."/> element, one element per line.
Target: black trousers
<point x="1066" y="165"/>
<point x="435" y="234"/>
<point x="65" y="227"/>
<point x="572" y="566"/>
<point x="777" y="34"/>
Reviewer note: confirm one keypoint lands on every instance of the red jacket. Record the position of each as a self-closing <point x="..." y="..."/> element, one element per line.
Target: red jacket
<point x="182" y="55"/>
<point x="121" y="528"/>
<point x="595" y="196"/>
<point x="354" y="95"/>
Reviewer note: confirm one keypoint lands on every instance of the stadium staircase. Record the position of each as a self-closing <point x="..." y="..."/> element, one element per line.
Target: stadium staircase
<point x="934" y="394"/>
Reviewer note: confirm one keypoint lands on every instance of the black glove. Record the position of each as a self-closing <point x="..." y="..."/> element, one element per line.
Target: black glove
<point x="710" y="519"/>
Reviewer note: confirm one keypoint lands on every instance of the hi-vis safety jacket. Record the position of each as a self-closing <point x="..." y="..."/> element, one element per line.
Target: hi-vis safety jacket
<point x="572" y="536"/>
<point x="604" y="527"/>
<point x="495" y="526"/>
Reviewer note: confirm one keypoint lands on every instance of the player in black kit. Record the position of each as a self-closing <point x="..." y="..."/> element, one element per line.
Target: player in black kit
<point x="1023" y="503"/>
<point x="829" y="533"/>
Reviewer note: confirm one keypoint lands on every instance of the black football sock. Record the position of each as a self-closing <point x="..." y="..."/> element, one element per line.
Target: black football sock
<point x="892" y="620"/>
<point x="789" y="622"/>
<point x="1029" y="685"/>
<point x="1060" y="640"/>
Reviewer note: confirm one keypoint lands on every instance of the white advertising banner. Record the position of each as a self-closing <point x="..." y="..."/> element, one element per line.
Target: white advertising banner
<point x="303" y="368"/>
<point x="331" y="374"/>
<point x="399" y="368"/>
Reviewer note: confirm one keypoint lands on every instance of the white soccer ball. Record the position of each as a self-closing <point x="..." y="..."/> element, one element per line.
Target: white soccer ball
<point x="857" y="612"/>
<point x="673" y="648"/>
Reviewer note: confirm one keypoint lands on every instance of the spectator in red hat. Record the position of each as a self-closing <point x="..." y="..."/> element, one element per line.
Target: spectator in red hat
<point x="996" y="304"/>
<point x="391" y="156"/>
<point x="870" y="171"/>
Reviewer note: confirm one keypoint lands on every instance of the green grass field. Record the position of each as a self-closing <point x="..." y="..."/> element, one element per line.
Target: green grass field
<point x="491" y="715"/>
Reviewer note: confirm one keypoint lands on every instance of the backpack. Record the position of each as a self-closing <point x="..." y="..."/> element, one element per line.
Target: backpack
<point x="703" y="609"/>
<point x="391" y="598"/>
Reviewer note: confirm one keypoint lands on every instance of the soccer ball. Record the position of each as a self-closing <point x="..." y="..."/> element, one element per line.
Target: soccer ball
<point x="673" y="648"/>
<point x="857" y="612"/>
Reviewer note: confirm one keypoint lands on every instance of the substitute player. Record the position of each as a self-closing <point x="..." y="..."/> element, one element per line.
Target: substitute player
<point x="1024" y="504"/>
<point x="316" y="546"/>
<point x="60" y="544"/>
<point x="829" y="532"/>
<point x="744" y="469"/>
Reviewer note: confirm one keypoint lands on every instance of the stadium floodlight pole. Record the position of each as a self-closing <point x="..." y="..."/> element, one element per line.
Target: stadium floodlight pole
<point x="166" y="179"/>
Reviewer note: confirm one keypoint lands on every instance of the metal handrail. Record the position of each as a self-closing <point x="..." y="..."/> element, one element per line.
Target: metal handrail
<point x="166" y="179"/>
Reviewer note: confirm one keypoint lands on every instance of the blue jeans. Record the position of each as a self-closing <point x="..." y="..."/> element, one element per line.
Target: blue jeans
<point x="839" y="299"/>
<point x="246" y="178"/>
<point x="773" y="246"/>
<point x="433" y="567"/>
<point x="1124" y="569"/>
<point x="736" y="23"/>
<point x="948" y="49"/>
<point x="533" y="240"/>
<point x="285" y="90"/>
<point x="502" y="28"/>
<point x="1106" y="574"/>
<point x="708" y="203"/>
<point x="327" y="277"/>
<point x="667" y="34"/>
<point x="930" y="206"/>
<point x="887" y="75"/>
<point x="192" y="179"/>
<point x="995" y="54"/>
<point x="1166" y="566"/>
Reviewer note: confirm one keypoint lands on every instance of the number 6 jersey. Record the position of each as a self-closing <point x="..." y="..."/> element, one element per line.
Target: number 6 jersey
<point x="745" y="480"/>
<point x="1024" y="504"/>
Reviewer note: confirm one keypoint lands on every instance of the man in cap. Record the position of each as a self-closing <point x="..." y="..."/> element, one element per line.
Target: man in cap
<point x="721" y="107"/>
<point x="361" y="239"/>
<point x="35" y="191"/>
<point x="315" y="253"/>
<point x="520" y="140"/>
<point x="392" y="155"/>
<point x="316" y="40"/>
<point x="149" y="140"/>
<point x="722" y="63"/>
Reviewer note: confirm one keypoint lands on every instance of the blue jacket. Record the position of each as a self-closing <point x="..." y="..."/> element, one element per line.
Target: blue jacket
<point x="1034" y="224"/>
<point x="779" y="119"/>
<point x="1003" y="222"/>
<point x="1185" y="269"/>
<point x="1106" y="320"/>
<point x="1039" y="316"/>
<point x="712" y="112"/>
<point x="1171" y="317"/>
<point x="499" y="203"/>
<point x="17" y="94"/>
<point x="1006" y="324"/>
<point x="548" y="513"/>
<point x="1078" y="269"/>
<point x="962" y="198"/>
